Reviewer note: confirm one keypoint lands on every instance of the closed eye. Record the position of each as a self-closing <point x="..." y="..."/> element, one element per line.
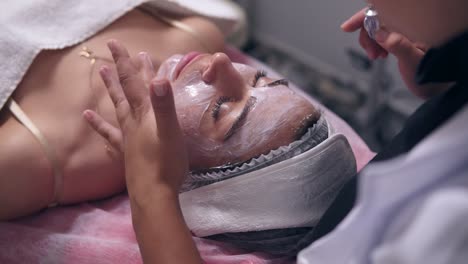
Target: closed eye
<point x="217" y="106"/>
<point x="241" y="118"/>
<point x="260" y="74"/>
<point x="279" y="82"/>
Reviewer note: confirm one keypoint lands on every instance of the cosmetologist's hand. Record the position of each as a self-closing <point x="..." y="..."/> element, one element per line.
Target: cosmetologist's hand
<point x="408" y="53"/>
<point x="149" y="135"/>
<point x="156" y="161"/>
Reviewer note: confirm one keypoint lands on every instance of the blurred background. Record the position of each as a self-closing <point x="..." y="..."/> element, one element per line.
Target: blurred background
<point x="302" y="40"/>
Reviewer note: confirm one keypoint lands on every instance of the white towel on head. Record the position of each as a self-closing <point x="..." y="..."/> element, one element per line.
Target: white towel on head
<point x="27" y="27"/>
<point x="289" y="194"/>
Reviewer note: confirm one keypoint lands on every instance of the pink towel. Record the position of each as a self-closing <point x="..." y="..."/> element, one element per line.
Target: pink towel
<point x="97" y="232"/>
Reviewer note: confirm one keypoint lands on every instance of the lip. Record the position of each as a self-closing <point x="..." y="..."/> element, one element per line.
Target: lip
<point x="189" y="57"/>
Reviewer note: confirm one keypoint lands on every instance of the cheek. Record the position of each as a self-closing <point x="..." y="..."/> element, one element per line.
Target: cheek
<point x="189" y="117"/>
<point x="192" y="100"/>
<point x="203" y="151"/>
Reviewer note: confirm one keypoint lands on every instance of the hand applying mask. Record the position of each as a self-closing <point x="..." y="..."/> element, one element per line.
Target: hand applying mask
<point x="409" y="54"/>
<point x="156" y="161"/>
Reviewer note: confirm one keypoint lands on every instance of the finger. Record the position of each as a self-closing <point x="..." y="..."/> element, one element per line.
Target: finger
<point x="398" y="45"/>
<point x="146" y="67"/>
<point x="110" y="133"/>
<point x="355" y="22"/>
<point x="162" y="100"/>
<point x="369" y="45"/>
<point x="128" y="75"/>
<point x="423" y="47"/>
<point x="373" y="49"/>
<point x="115" y="91"/>
<point x="383" y="53"/>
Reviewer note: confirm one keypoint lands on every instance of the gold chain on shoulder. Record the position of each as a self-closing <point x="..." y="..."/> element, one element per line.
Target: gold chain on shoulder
<point x="88" y="54"/>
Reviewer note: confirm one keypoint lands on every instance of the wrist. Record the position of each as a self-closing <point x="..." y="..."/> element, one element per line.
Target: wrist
<point x="152" y="198"/>
<point x="143" y="176"/>
<point x="147" y="208"/>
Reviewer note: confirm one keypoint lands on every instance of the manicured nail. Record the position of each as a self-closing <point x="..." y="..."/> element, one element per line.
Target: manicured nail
<point x="88" y="115"/>
<point x="146" y="59"/>
<point x="381" y="35"/>
<point x="104" y="70"/>
<point x="159" y="87"/>
<point x="111" y="44"/>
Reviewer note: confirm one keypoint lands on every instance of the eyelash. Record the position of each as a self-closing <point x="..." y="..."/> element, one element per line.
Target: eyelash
<point x="252" y="100"/>
<point x="224" y="99"/>
<point x="261" y="73"/>
<point x="221" y="100"/>
<point x="279" y="82"/>
<point x="258" y="75"/>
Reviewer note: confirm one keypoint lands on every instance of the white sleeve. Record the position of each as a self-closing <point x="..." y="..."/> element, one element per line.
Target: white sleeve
<point x="438" y="233"/>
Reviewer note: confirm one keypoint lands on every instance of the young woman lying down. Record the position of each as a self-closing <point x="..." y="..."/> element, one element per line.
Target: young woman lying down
<point x="236" y="122"/>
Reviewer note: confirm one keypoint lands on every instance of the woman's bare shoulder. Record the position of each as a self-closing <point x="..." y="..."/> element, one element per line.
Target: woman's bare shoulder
<point x="208" y="31"/>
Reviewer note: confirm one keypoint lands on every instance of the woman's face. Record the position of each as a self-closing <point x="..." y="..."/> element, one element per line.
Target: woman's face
<point x="232" y="112"/>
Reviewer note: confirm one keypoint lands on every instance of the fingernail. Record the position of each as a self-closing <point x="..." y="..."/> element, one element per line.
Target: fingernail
<point x="111" y="45"/>
<point x="103" y="70"/>
<point x="343" y="25"/>
<point x="87" y="114"/>
<point x="381" y="35"/>
<point x="147" y="59"/>
<point x="159" y="87"/>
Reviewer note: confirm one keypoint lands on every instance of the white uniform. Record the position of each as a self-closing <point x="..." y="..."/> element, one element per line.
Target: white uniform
<point x="413" y="208"/>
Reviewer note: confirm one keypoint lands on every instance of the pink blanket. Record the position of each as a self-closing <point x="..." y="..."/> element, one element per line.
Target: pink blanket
<point x="97" y="232"/>
<point x="101" y="232"/>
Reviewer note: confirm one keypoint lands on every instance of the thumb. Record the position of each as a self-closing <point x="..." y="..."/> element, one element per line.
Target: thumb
<point x="398" y="45"/>
<point x="164" y="109"/>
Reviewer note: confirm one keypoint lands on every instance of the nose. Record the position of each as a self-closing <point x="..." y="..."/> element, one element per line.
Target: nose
<point x="224" y="77"/>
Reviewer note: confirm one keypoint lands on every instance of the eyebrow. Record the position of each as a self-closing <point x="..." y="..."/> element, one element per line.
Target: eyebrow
<point x="239" y="121"/>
